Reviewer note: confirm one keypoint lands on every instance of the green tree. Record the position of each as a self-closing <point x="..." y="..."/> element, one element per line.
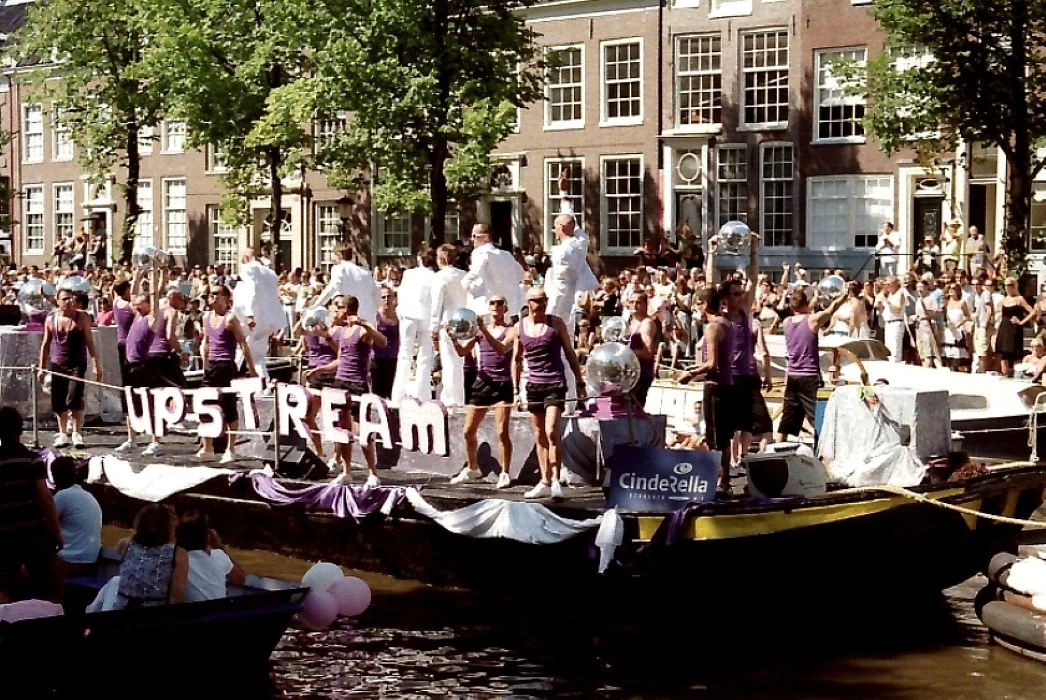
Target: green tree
<point x="431" y="88"/>
<point x="222" y="61"/>
<point x="88" y="57"/>
<point x="982" y="81"/>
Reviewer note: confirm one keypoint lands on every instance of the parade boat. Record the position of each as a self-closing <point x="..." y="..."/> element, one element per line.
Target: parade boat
<point x="241" y="631"/>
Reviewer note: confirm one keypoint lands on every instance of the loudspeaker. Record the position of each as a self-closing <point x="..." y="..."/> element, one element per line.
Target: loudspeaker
<point x="10" y="315"/>
<point x="296" y="462"/>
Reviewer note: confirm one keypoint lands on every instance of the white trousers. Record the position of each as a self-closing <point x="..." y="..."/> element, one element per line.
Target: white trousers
<point x="415" y="341"/>
<point x="258" y="342"/>
<point x="894" y="339"/>
<point x="571" y="405"/>
<point x="452" y="388"/>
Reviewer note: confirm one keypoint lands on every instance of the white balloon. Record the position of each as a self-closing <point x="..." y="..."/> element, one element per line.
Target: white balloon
<point x="321" y="575"/>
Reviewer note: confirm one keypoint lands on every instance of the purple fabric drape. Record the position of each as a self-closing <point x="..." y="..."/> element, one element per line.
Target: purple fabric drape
<point x="356" y="502"/>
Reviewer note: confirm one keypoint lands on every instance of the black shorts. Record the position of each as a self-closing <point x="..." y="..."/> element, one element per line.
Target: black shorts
<point x="719" y="409"/>
<point x="355" y="390"/>
<point x="541" y="397"/>
<point x="321" y="381"/>
<point x="487" y="393"/>
<point x="121" y="353"/>
<point x="642" y="388"/>
<point x="169" y="367"/>
<point x="752" y="415"/>
<point x="67" y="394"/>
<point x="800" y="401"/>
<point x="220" y="373"/>
<point x="470" y="375"/>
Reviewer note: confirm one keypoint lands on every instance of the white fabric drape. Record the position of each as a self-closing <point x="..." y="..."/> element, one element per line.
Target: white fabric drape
<point x="153" y="483"/>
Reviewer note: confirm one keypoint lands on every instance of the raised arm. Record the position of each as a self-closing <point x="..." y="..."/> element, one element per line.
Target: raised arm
<point x="819" y="318"/>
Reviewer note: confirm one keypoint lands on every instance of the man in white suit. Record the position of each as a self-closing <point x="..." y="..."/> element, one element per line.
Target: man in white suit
<point x="492" y="272"/>
<point x="447" y="297"/>
<point x="415" y="314"/>
<point x="349" y="278"/>
<point x="256" y="302"/>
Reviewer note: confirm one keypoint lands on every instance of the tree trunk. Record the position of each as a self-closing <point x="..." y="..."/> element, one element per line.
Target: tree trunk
<point x="1018" y="211"/>
<point x="275" y="158"/>
<point x="134" y="166"/>
<point x="438" y="189"/>
<point x="1018" y="177"/>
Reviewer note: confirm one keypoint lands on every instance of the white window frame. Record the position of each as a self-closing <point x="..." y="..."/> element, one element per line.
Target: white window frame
<point x="764" y="229"/>
<point x="165" y="185"/>
<point x="64" y="207"/>
<point x="563" y="124"/>
<point x="382" y="248"/>
<point x="712" y="125"/>
<point x="215" y="160"/>
<point x="604" y="120"/>
<point x="822" y="57"/>
<point x="552" y="204"/>
<point x="217" y="231"/>
<point x="62" y="148"/>
<point x="146" y="139"/>
<point x="34" y="205"/>
<point x="165" y="138"/>
<point x="745" y="125"/>
<point x="143" y="227"/>
<point x="721" y="217"/>
<point x="335" y="234"/>
<point x="33" y="133"/>
<point x="816" y="240"/>
<point x="328" y="129"/>
<point x="604" y="229"/>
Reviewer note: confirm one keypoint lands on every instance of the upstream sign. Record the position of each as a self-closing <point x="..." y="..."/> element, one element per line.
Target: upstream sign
<point x="659" y="480"/>
<point x="423" y="425"/>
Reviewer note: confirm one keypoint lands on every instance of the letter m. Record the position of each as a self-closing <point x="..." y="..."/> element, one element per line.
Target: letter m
<point x="423" y="426"/>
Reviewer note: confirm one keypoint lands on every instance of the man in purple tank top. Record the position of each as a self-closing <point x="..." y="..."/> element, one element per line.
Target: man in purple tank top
<point x="804" y="366"/>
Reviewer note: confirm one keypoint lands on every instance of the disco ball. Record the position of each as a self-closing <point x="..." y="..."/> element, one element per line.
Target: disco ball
<point x="462" y="325"/>
<point x="76" y="284"/>
<point x="612" y="369"/>
<point x="613" y="329"/>
<point x="315" y="317"/>
<point x="733" y="236"/>
<point x="149" y="256"/>
<point x="830" y="288"/>
<point x="35" y="296"/>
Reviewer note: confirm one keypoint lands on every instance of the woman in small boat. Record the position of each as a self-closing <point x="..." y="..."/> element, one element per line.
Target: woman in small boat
<point x="956" y="314"/>
<point x="211" y="569"/>
<point x="154" y="570"/>
<point x="1009" y="337"/>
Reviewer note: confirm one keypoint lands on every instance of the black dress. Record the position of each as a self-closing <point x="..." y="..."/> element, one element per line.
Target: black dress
<point x="1009" y="340"/>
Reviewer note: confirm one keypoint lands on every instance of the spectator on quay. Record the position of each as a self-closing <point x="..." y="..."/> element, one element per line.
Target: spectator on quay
<point x="211" y="568"/>
<point x="105" y="312"/>
<point x="79" y="516"/>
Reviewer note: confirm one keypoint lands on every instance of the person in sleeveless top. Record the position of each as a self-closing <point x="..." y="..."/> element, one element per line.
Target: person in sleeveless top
<point x="67" y="342"/>
<point x="154" y="570"/>
<point x="123" y="315"/>
<point x="643" y="340"/>
<point x="543" y="341"/>
<point x="138" y="375"/>
<point x="320" y="345"/>
<point x="222" y="334"/>
<point x="352" y="370"/>
<point x="719" y="398"/>
<point x="1009" y="339"/>
<point x="385" y="358"/>
<point x="492" y="389"/>
<point x="804" y="367"/>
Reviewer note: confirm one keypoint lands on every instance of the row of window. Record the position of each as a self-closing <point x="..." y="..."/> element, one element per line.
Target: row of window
<point x="764" y="85"/>
<point x="172" y="136"/>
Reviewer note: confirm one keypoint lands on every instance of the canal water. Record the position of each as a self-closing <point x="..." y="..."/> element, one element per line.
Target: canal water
<point x="422" y="642"/>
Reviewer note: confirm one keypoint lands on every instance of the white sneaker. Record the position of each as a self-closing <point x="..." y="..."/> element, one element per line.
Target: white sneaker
<point x="343" y="479"/>
<point x="61" y="440"/>
<point x="373" y="481"/>
<point x="78" y="440"/>
<point x="557" y="491"/>
<point x="125" y="447"/>
<point x="333" y="466"/>
<point x="228" y="457"/>
<point x="203" y="456"/>
<point x="504" y="480"/>
<point x="466" y="474"/>
<point x="154" y="449"/>
<point x="542" y="490"/>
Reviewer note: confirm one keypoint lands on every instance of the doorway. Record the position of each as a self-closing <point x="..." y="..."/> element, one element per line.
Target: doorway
<point x="688" y="219"/>
<point x="927" y="220"/>
<point x="501" y="224"/>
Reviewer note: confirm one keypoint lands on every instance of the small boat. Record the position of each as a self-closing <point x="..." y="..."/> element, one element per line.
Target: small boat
<point x="1012" y="621"/>
<point x="240" y="631"/>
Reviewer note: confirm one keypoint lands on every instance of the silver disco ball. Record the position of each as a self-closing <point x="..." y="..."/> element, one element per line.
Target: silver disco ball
<point x="733" y="236"/>
<point x="315" y="317"/>
<point x="612" y="369"/>
<point x="76" y="284"/>
<point x="830" y="288"/>
<point x="149" y="256"/>
<point x="462" y="325"/>
<point x="613" y="329"/>
<point x="35" y="295"/>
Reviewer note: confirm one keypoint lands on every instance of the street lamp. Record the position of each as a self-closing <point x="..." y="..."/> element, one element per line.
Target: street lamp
<point x="345" y="205"/>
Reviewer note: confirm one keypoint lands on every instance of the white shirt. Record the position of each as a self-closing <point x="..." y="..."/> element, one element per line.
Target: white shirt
<point x="493" y="271"/>
<point x="447" y="295"/>
<point x="208" y="572"/>
<point x="257" y="294"/>
<point x="981" y="304"/>
<point x="349" y="278"/>
<point x="415" y="294"/>
<point x="568" y="274"/>
<point x="80" y="518"/>
<point x="886" y="248"/>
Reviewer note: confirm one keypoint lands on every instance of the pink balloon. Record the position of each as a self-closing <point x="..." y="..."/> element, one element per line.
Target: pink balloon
<point x="352" y="595"/>
<point x="320" y="609"/>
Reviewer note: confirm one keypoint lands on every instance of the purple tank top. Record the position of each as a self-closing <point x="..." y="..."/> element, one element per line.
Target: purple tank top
<point x="320" y="351"/>
<point x="543" y="354"/>
<point x="221" y="343"/>
<point x="68" y="348"/>
<point x="742" y="360"/>
<point x="391" y="331"/>
<point x="724" y="351"/>
<point x="635" y="341"/>
<point x="801" y="342"/>
<point x="138" y="339"/>
<point x="124" y="316"/>
<point x="159" y="344"/>
<point x="354" y="357"/>
<point x="492" y="366"/>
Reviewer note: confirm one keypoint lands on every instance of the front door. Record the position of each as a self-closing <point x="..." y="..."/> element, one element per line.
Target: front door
<point x="501" y="224"/>
<point x="927" y="220"/>
<point x="688" y="219"/>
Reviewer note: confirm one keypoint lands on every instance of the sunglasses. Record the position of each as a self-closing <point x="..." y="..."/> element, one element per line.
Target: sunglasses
<point x="497" y="302"/>
<point x="538" y="300"/>
<point x="386" y="298"/>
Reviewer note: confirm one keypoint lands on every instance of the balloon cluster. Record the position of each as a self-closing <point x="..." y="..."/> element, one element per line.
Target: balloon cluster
<point x="462" y="325"/>
<point x="612" y="369"/>
<point x="332" y="593"/>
